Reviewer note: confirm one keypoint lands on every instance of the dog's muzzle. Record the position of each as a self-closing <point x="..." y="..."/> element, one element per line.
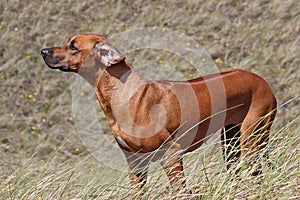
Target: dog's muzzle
<point x="52" y="61"/>
<point x="48" y="58"/>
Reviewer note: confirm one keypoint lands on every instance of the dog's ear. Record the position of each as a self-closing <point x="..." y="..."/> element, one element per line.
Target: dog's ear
<point x="108" y="54"/>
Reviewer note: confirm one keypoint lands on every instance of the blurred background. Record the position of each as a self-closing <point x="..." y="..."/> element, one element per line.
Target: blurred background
<point x="38" y="141"/>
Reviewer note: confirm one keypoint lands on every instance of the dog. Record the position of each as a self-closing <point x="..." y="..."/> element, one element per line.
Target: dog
<point x="162" y="120"/>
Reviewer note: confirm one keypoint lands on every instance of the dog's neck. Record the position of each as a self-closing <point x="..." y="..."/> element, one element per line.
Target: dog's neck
<point x="91" y="71"/>
<point x="118" y="79"/>
<point x="114" y="85"/>
<point x="94" y="70"/>
<point x="114" y="77"/>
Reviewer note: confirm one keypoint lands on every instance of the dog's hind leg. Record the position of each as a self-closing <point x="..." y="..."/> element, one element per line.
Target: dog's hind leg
<point x="255" y="131"/>
<point x="230" y="138"/>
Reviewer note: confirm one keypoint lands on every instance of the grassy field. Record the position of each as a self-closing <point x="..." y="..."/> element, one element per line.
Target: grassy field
<point x="43" y="157"/>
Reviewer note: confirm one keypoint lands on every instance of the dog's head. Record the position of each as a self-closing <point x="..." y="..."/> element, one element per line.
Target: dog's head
<point x="71" y="56"/>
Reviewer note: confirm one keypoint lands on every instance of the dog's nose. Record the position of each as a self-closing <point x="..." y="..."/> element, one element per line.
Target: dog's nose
<point x="45" y="52"/>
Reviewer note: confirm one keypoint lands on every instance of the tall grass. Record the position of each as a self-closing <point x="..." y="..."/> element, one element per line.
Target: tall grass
<point x="41" y="157"/>
<point x="82" y="177"/>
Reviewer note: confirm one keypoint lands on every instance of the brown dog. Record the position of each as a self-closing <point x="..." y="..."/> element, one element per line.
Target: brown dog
<point x="151" y="120"/>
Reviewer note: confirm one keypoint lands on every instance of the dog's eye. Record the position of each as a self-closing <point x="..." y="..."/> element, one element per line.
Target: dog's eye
<point x="72" y="47"/>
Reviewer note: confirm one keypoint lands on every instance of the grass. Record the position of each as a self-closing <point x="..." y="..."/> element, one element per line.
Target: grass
<point x="42" y="157"/>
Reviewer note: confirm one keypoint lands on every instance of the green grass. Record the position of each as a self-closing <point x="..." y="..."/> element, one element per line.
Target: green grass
<point x="42" y="157"/>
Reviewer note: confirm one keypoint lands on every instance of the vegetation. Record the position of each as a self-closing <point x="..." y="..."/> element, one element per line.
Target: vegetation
<point x="42" y="156"/>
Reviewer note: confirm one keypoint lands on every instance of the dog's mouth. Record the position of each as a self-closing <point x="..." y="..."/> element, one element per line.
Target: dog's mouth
<point x="53" y="63"/>
<point x="61" y="68"/>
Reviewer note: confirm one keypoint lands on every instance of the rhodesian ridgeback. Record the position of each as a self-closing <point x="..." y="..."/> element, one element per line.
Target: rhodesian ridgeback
<point x="162" y="120"/>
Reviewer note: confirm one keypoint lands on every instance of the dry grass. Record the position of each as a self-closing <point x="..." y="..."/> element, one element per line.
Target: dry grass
<point x="43" y="158"/>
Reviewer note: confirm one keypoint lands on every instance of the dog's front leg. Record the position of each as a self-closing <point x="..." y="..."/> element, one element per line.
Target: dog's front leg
<point x="173" y="166"/>
<point x="138" y="169"/>
<point x="137" y="176"/>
